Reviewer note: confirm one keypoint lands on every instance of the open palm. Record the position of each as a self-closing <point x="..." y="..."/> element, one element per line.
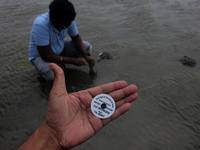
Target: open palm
<point x="70" y="116"/>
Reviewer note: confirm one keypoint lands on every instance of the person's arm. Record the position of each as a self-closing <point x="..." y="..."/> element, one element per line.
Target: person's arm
<point x="79" y="45"/>
<point x="69" y="120"/>
<point x="43" y="138"/>
<point x="47" y="56"/>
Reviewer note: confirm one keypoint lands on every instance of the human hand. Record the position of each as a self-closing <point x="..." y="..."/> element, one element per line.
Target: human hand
<point x="69" y="117"/>
<point x="77" y="61"/>
<point x="90" y="61"/>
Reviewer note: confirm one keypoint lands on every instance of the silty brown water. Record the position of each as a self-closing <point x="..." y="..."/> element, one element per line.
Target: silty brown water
<point x="146" y="39"/>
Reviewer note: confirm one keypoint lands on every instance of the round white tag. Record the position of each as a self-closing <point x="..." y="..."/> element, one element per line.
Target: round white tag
<point x="103" y="106"/>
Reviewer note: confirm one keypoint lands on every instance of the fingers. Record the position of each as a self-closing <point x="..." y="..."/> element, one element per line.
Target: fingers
<point x="118" y="112"/>
<point x="59" y="80"/>
<point x="126" y="94"/>
<point x="91" y="63"/>
<point x="123" y="98"/>
<point x="107" y="88"/>
<point x="127" y="99"/>
<point x="79" y="61"/>
<point x="117" y="90"/>
<point x="121" y="93"/>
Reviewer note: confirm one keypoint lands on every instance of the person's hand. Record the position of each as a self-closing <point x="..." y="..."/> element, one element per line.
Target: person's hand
<point x="77" y="61"/>
<point x="69" y="120"/>
<point x="90" y="61"/>
<point x="70" y="116"/>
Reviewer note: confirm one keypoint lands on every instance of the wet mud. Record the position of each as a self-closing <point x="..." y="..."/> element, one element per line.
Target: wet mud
<point x="144" y="37"/>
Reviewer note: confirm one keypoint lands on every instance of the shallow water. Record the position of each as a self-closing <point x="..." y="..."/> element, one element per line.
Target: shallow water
<point x="146" y="39"/>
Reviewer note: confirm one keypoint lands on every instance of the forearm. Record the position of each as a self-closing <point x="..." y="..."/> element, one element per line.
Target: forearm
<point x="79" y="44"/>
<point x="47" y="56"/>
<point x="43" y="138"/>
<point x="57" y="59"/>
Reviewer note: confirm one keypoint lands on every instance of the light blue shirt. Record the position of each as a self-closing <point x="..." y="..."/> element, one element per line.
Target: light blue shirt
<point x="44" y="33"/>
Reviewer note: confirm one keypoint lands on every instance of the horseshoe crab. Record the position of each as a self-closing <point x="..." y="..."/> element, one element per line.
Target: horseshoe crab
<point x="187" y="61"/>
<point x="104" y="55"/>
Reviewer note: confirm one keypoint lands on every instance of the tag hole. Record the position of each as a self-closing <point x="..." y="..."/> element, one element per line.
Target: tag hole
<point x="103" y="106"/>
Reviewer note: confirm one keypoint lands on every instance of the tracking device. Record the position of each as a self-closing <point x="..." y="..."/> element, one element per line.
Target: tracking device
<point x="103" y="106"/>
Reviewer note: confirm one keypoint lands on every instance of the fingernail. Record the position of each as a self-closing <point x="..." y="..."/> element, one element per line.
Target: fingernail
<point x="50" y="67"/>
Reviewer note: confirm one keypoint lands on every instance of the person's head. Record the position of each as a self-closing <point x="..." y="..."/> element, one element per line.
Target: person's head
<point x="62" y="13"/>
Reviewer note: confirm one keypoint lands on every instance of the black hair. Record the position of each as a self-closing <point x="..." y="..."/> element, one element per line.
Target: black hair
<point x="62" y="11"/>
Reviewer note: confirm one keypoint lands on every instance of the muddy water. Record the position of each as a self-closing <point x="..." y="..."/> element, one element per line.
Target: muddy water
<point x="146" y="39"/>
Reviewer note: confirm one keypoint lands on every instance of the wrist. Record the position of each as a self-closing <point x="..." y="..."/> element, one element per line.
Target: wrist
<point x="47" y="138"/>
<point x="50" y="137"/>
<point x="44" y="138"/>
<point x="86" y="56"/>
<point x="71" y="60"/>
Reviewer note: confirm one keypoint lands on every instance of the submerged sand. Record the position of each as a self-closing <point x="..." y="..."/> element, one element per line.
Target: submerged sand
<point x="146" y="38"/>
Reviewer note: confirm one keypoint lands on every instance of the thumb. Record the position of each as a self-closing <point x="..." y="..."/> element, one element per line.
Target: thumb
<point x="59" y="80"/>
